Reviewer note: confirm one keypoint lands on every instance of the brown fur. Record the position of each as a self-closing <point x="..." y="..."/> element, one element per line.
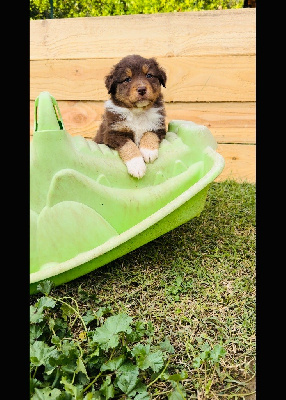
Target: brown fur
<point x="134" y="85"/>
<point x="150" y="141"/>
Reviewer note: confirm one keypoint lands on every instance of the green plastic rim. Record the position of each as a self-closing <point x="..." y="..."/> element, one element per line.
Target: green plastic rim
<point x="87" y="211"/>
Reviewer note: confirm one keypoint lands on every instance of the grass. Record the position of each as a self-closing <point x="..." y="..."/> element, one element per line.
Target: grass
<point x="196" y="284"/>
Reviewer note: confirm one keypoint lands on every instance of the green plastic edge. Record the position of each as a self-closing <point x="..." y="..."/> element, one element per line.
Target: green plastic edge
<point x="190" y="209"/>
<point x="183" y="208"/>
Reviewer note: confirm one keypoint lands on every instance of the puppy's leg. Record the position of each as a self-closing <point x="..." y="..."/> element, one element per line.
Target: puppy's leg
<point x="131" y="156"/>
<point x="128" y="152"/>
<point x="149" y="146"/>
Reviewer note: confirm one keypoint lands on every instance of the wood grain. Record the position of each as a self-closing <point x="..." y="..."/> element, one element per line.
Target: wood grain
<point x="240" y="162"/>
<point x="189" y="79"/>
<point x="209" y="58"/>
<point x="228" y="122"/>
<point x="194" y="33"/>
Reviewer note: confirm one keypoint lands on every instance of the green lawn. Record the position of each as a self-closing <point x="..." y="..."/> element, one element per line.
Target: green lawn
<point x="196" y="285"/>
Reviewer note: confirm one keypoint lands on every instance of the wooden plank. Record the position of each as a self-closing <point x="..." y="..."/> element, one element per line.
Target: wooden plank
<point x="240" y="162"/>
<point x="189" y="79"/>
<point x="209" y="57"/>
<point x="240" y="159"/>
<point x="228" y="122"/>
<point x="193" y="33"/>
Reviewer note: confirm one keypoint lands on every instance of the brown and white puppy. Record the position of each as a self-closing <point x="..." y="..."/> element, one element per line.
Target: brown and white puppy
<point x="133" y="122"/>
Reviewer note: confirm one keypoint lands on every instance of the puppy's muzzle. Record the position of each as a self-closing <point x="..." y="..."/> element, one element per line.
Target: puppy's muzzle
<point x="141" y="90"/>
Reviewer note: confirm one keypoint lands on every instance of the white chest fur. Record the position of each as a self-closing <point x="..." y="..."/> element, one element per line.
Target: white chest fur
<point x="136" y="119"/>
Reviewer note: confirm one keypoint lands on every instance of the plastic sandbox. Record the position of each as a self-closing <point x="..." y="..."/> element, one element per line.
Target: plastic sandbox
<point x="86" y="210"/>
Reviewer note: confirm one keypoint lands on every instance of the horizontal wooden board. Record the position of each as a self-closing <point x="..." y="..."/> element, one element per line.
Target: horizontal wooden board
<point x="193" y="33"/>
<point x="209" y="58"/>
<point x="196" y="79"/>
<point x="228" y="122"/>
<point x="240" y="162"/>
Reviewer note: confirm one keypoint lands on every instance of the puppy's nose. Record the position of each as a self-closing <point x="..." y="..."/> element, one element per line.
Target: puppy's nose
<point x="141" y="90"/>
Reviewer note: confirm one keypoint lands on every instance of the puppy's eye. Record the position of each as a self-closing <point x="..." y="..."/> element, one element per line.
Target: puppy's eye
<point x="149" y="76"/>
<point x="127" y="80"/>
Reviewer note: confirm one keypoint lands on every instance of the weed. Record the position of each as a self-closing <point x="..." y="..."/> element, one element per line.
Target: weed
<point x="105" y="363"/>
<point x="196" y="281"/>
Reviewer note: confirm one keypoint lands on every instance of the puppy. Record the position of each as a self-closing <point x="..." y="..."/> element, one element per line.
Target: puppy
<point x="133" y="122"/>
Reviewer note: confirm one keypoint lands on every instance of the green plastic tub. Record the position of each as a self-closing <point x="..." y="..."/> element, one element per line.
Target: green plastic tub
<point x="86" y="210"/>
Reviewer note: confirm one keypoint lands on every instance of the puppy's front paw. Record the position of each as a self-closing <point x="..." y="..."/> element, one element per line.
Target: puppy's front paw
<point x="136" y="167"/>
<point x="148" y="154"/>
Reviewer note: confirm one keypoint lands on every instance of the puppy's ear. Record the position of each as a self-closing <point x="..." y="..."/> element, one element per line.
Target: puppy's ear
<point x="162" y="77"/>
<point x="161" y="74"/>
<point x="110" y="83"/>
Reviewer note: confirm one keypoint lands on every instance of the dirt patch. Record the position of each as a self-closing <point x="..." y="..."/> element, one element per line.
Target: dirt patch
<point x="251" y="388"/>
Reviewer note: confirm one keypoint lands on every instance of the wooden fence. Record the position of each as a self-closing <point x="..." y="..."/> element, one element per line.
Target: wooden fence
<point x="209" y="58"/>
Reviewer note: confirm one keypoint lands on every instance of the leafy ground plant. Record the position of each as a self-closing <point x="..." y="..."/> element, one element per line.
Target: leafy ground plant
<point x="195" y="285"/>
<point x="117" y="359"/>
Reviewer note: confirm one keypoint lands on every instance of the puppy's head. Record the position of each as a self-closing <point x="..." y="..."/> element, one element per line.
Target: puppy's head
<point x="135" y="81"/>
